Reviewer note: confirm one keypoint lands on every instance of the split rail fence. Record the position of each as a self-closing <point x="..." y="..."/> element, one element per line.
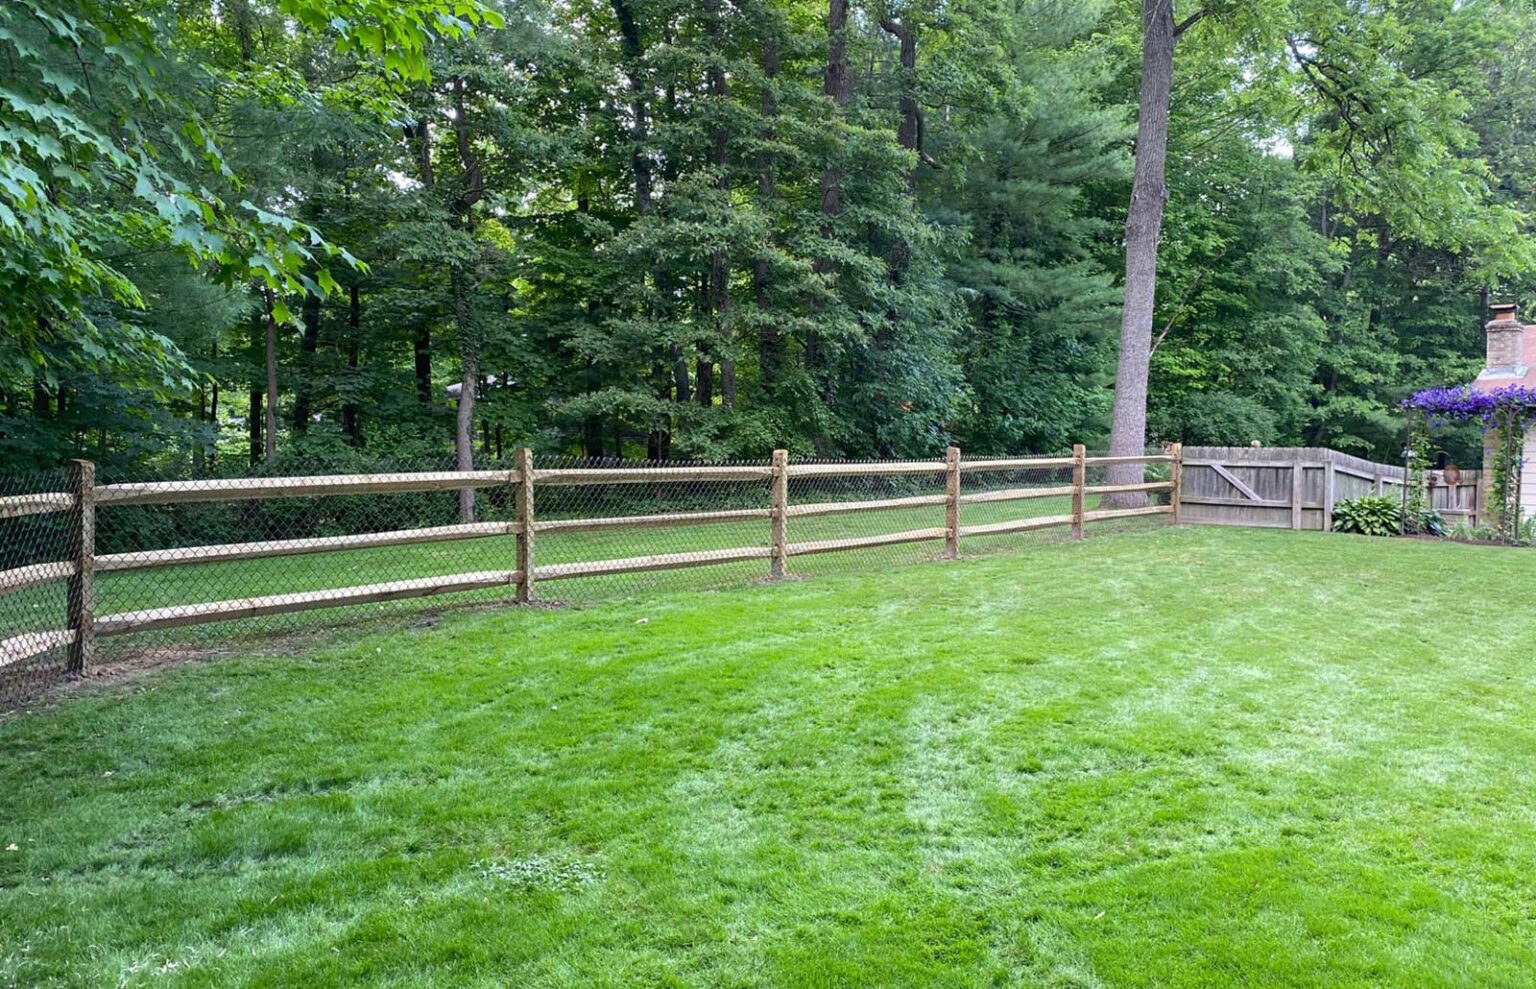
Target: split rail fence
<point x="1066" y="479"/>
<point x="1298" y="487"/>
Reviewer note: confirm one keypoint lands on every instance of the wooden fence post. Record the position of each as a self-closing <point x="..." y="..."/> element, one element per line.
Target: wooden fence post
<point x="525" y="562"/>
<point x="1298" y="491"/>
<point x="780" y="514"/>
<point x="82" y="583"/>
<point x="952" y="503"/>
<point x="1378" y="483"/>
<point x="1330" y="485"/>
<point x="1079" y="482"/>
<point x="1176" y="478"/>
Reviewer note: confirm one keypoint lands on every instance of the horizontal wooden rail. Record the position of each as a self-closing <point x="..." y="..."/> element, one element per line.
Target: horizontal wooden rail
<point x="857" y="469"/>
<point x="35" y="575"/>
<point x="243" y="489"/>
<point x="1016" y="494"/>
<point x="35" y="504"/>
<point x="1015" y="525"/>
<point x="1217" y="500"/>
<point x="1126" y="513"/>
<point x="1240" y="464"/>
<point x="865" y="542"/>
<point x="649" y="475"/>
<point x="223" y="552"/>
<point x="278" y="604"/>
<point x="30" y="644"/>
<point x="1015" y="463"/>
<point x="816" y="508"/>
<point x="1117" y="488"/>
<point x="1151" y="458"/>
<point x="641" y="564"/>
<point x="630" y="521"/>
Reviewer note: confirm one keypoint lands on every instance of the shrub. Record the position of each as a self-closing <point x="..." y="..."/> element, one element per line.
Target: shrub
<point x="1467" y="532"/>
<point x="1423" y="522"/>
<point x="1371" y="515"/>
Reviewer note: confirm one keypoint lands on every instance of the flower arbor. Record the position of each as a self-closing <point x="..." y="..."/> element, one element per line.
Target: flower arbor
<point x="1506" y="414"/>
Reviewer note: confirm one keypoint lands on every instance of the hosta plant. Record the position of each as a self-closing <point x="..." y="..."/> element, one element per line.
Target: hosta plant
<point x="1371" y="515"/>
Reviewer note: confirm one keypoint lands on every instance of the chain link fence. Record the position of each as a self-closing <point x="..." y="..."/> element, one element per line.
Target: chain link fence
<point x="156" y="564"/>
<point x="33" y="603"/>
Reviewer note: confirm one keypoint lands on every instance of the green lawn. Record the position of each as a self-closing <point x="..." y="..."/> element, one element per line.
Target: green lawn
<point x="1188" y="757"/>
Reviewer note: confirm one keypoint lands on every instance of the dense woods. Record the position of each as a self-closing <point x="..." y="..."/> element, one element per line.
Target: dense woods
<point x="366" y="232"/>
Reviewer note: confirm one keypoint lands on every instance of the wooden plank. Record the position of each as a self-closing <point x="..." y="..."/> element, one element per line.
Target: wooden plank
<point x="1114" y="488"/>
<point x="952" y="503"/>
<point x="1244" y="523"/>
<point x="1278" y="464"/>
<point x="1176" y="481"/>
<point x="1234" y="502"/>
<point x="1127" y="513"/>
<point x="1298" y="493"/>
<point x="527" y="525"/>
<point x="1233" y="480"/>
<point x="865" y="542"/>
<point x="36" y="504"/>
<point x="80" y="593"/>
<point x="222" y="552"/>
<point x="1016" y="463"/>
<point x="650" y="521"/>
<point x="254" y="488"/>
<point x="779" y="532"/>
<point x="858" y="469"/>
<point x="1364" y="475"/>
<point x="35" y="575"/>
<point x="1330" y="487"/>
<point x="30" y="644"/>
<point x="1160" y="458"/>
<point x="278" y="604"/>
<point x="1016" y="525"/>
<point x="649" y="475"/>
<point x="815" y="508"/>
<point x="1079" y="487"/>
<point x="1016" y="494"/>
<point x="640" y="564"/>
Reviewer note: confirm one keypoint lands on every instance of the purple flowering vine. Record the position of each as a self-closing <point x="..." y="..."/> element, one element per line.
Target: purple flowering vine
<point x="1463" y="404"/>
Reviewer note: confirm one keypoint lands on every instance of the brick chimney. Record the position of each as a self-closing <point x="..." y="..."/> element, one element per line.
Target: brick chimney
<point x="1506" y="338"/>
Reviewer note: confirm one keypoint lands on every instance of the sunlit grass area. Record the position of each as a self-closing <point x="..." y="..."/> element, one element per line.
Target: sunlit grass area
<point x="1180" y="757"/>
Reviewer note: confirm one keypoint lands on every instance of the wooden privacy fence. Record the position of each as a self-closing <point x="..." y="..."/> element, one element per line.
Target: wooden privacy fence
<point x="1298" y="487"/>
<point x="80" y="504"/>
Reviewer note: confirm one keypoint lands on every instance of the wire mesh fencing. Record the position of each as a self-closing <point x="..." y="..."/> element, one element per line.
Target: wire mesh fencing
<point x="34" y="545"/>
<point x="246" y="559"/>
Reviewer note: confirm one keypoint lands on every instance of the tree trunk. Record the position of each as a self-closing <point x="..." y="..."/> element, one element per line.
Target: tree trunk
<point x="309" y="342"/>
<point x="253" y="424"/>
<point x="421" y="348"/>
<point x="770" y="339"/>
<point x="634" y="50"/>
<point x="462" y="208"/>
<point x="704" y="383"/>
<point x="719" y="262"/>
<point x="1143" y="229"/>
<point x="681" y="381"/>
<point x="838" y="85"/>
<point x="464" y="433"/>
<point x="269" y="432"/>
<point x="351" y="423"/>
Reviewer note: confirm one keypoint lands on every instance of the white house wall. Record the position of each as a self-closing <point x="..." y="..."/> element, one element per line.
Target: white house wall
<point x="1528" y="476"/>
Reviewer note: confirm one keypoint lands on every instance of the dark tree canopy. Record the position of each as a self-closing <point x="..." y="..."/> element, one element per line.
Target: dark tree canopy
<point x="376" y="230"/>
